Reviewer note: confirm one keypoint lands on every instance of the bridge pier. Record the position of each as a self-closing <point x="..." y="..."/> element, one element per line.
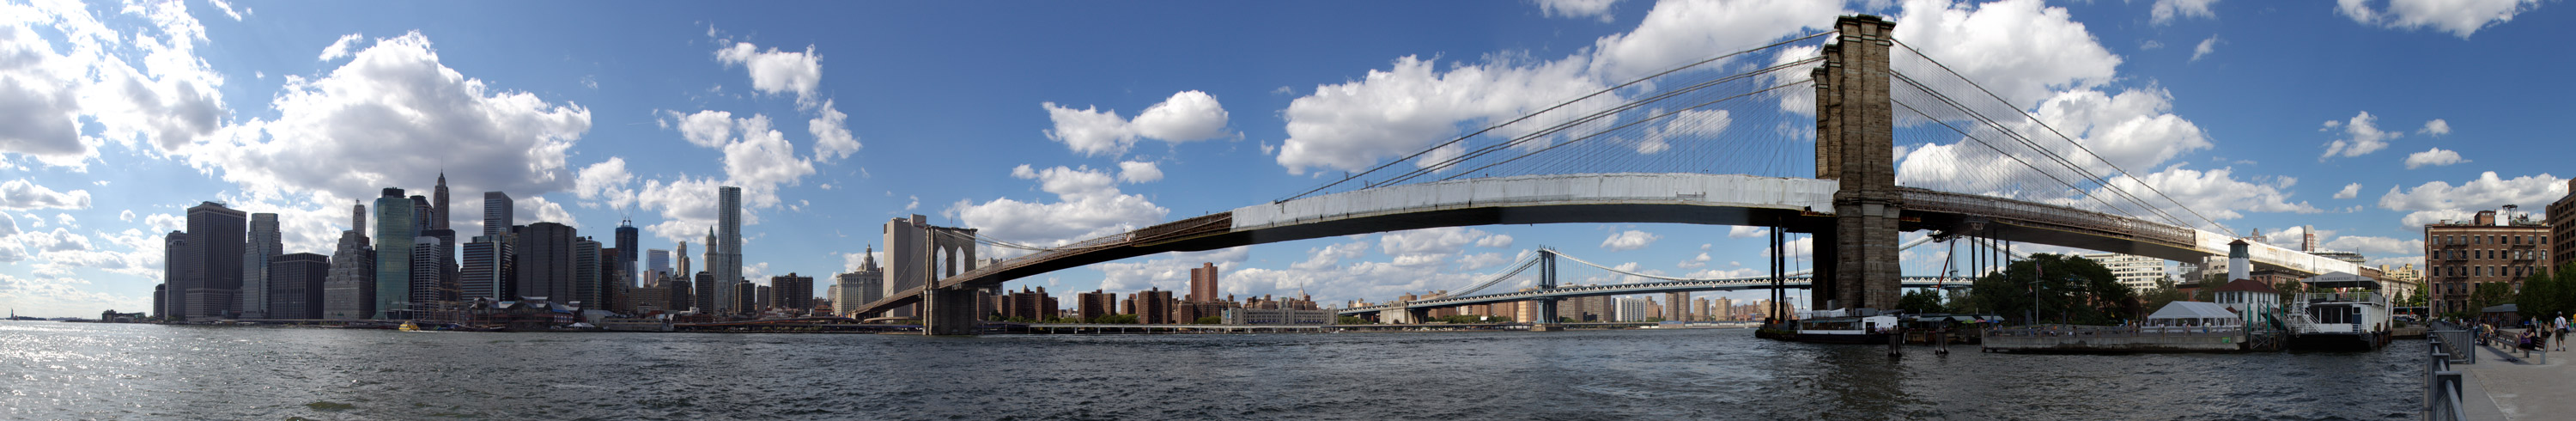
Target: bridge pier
<point x="949" y="312"/>
<point x="1855" y="144"/>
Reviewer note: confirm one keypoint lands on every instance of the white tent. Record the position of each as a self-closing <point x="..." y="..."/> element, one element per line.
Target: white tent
<point x="2193" y="313"/>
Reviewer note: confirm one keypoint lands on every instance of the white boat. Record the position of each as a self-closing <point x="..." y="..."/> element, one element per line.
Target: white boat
<point x="1842" y="327"/>
<point x="2354" y="316"/>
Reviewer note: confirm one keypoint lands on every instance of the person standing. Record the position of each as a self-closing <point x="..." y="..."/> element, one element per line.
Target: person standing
<point x="2562" y="331"/>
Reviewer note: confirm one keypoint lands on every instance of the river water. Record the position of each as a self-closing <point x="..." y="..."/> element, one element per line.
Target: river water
<point x="54" y="370"/>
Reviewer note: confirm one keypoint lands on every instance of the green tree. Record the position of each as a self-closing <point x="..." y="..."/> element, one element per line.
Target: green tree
<point x="2489" y="294"/>
<point x="2067" y="289"/>
<point x="1351" y="320"/>
<point x="2416" y="297"/>
<point x="2547" y="296"/>
<point x="2209" y="284"/>
<point x="2165" y="293"/>
<point x="1209" y="320"/>
<point x="1922" y="301"/>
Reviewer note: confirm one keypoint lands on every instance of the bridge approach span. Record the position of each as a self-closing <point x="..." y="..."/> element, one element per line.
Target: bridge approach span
<point x="1736" y="284"/>
<point x="1796" y="204"/>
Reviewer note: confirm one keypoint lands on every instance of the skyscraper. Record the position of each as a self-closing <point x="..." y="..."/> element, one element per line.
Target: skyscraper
<point x="263" y="245"/>
<point x="349" y="292"/>
<point x="426" y="275"/>
<point x="214" y="250"/>
<point x="177" y="274"/>
<point x="295" y="285"/>
<point x="658" y="261"/>
<point x="723" y="293"/>
<point x="545" y="261"/>
<point x="792" y="292"/>
<point x="497" y="217"/>
<point x="397" y="228"/>
<point x="625" y="274"/>
<point x="1203" y="286"/>
<point x="727" y="244"/>
<point x="438" y="206"/>
<point x="489" y="265"/>
<point x="585" y="275"/>
<point x="705" y="298"/>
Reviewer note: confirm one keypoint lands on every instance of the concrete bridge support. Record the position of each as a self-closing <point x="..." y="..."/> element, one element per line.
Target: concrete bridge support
<point x="949" y="312"/>
<point x="1855" y="144"/>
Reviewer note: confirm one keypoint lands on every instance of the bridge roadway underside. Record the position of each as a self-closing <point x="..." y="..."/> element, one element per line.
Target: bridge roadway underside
<point x="1676" y="213"/>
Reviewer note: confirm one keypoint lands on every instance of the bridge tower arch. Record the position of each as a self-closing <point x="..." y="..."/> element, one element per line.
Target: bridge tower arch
<point x="1855" y="145"/>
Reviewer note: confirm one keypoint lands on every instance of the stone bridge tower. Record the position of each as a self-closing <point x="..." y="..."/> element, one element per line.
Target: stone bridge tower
<point x="1855" y="144"/>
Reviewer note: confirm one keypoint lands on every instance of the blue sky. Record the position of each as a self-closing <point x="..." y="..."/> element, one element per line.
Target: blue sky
<point x="1047" y="122"/>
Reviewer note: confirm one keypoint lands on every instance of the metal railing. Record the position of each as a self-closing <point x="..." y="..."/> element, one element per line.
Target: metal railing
<point x="2457" y="342"/>
<point x="2080" y="331"/>
<point x="2442" y="387"/>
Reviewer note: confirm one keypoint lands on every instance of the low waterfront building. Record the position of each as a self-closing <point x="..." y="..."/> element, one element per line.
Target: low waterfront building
<point x="1276" y="316"/>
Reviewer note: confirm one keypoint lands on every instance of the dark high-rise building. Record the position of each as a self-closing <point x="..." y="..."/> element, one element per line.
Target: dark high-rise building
<point x="295" y="285"/>
<point x="489" y="265"/>
<point x="214" y="255"/>
<point x="792" y="292"/>
<point x="682" y="297"/>
<point x="397" y="228"/>
<point x="1028" y="304"/>
<point x="1089" y="306"/>
<point x="626" y="252"/>
<point x="497" y="214"/>
<point x="705" y="297"/>
<point x="261" y="245"/>
<point x="746" y="298"/>
<point x="613" y="286"/>
<point x="762" y="300"/>
<point x="657" y="261"/>
<point x="1203" y="287"/>
<point x="430" y="264"/>
<point x="175" y="270"/>
<point x="438" y="206"/>
<point x="545" y="261"/>
<point x="1153" y="306"/>
<point x="160" y="297"/>
<point x="585" y="274"/>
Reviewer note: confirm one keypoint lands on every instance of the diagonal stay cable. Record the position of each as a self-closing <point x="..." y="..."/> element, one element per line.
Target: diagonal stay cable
<point x="2044" y="152"/>
<point x="1553" y="108"/>
<point x="2035" y="119"/>
<point x="1561" y="127"/>
<point x="1623" y="126"/>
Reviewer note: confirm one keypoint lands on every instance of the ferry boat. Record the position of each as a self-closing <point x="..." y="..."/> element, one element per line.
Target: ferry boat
<point x="2354" y="318"/>
<point x="1849" y="326"/>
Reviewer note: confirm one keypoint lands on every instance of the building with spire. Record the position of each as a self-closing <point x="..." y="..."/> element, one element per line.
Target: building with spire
<point x="858" y="288"/>
<point x="349" y="291"/>
<point x="438" y="205"/>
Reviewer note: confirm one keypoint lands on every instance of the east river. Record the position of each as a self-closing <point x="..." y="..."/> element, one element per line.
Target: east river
<point x="54" y="370"/>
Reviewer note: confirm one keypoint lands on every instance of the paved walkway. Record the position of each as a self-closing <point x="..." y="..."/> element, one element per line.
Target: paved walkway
<point x="2518" y="387"/>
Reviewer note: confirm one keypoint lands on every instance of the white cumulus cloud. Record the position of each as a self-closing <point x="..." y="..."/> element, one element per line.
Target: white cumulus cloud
<point x="776" y="72"/>
<point x="2349" y="191"/>
<point x="1087" y="204"/>
<point x="1186" y="116"/>
<point x="1577" y="8"/>
<point x="2165" y="11"/>
<point x="1629" y="240"/>
<point x="2433" y="157"/>
<point x="2362" y="136"/>
<point x="2460" y="17"/>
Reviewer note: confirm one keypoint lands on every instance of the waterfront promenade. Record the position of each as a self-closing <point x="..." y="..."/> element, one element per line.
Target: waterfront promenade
<point x="2518" y="387"/>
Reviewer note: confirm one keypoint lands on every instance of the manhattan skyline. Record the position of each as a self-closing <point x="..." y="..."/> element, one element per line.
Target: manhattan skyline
<point x="1042" y="123"/>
